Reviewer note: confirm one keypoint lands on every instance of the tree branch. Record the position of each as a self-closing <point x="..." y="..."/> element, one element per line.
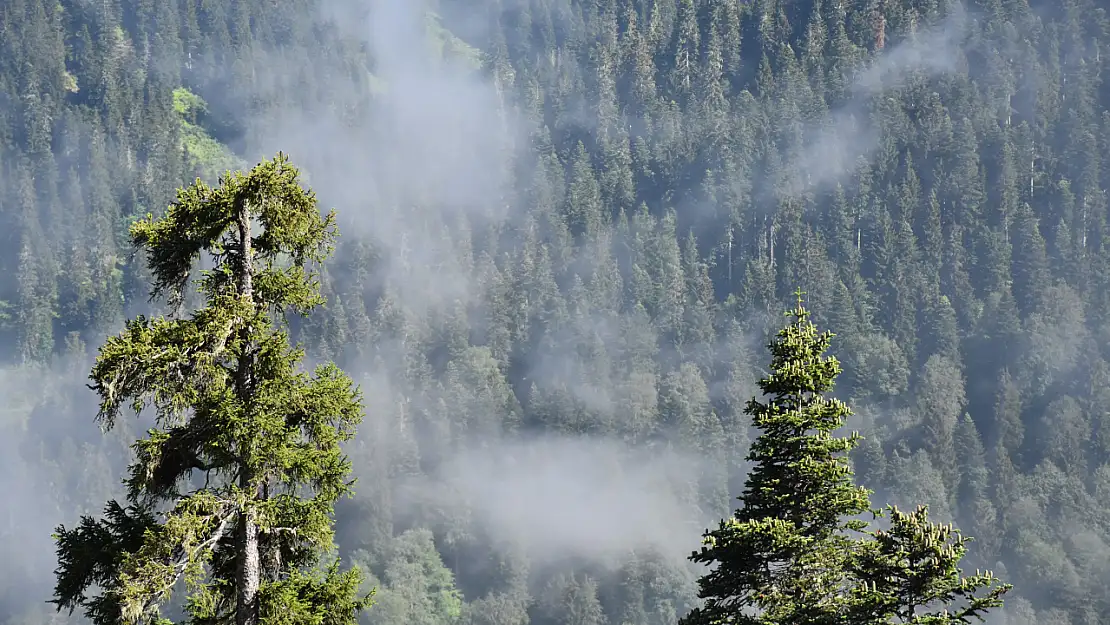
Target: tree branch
<point x="181" y="560"/>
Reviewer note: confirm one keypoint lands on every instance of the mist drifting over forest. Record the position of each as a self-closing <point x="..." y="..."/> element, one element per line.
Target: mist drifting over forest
<point x="568" y="230"/>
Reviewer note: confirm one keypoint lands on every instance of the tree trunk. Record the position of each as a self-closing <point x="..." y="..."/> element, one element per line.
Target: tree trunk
<point x="248" y="570"/>
<point x="270" y="547"/>
<point x="246" y="268"/>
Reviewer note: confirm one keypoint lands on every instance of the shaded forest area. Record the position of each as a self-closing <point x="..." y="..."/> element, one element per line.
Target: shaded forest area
<point x="569" y="228"/>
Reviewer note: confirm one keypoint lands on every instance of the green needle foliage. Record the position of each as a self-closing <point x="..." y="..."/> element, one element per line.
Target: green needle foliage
<point x="233" y="490"/>
<point x="795" y="552"/>
<point x="781" y="557"/>
<point x="911" y="574"/>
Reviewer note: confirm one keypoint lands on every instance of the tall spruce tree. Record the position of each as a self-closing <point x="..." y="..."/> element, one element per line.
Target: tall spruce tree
<point x="783" y="555"/>
<point x="233" y="489"/>
<point x="788" y="555"/>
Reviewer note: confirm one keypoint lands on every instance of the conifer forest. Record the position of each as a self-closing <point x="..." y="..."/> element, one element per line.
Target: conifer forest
<point x="554" y="312"/>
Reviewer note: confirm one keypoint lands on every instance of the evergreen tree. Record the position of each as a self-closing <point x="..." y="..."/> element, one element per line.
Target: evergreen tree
<point x="782" y="554"/>
<point x="231" y="408"/>
<point x="911" y="574"/>
<point x="786" y="556"/>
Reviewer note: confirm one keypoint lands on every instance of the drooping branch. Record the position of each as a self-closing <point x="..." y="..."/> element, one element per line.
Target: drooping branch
<point x="166" y="457"/>
<point x="90" y="555"/>
<point x="175" y="241"/>
<point x="165" y="363"/>
<point x="179" y="564"/>
<point x="135" y="561"/>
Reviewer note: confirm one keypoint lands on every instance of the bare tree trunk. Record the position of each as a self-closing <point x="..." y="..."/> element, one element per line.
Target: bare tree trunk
<point x="248" y="570"/>
<point x="246" y="268"/>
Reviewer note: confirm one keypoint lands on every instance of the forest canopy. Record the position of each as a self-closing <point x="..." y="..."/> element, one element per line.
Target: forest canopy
<point x="568" y="229"/>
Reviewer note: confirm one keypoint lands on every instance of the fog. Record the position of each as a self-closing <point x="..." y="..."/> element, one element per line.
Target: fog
<point x="440" y="142"/>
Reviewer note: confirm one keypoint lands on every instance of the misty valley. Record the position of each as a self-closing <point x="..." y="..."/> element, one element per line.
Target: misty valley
<point x="554" y="312"/>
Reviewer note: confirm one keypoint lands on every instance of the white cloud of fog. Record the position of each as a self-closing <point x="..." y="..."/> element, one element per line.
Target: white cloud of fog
<point x="560" y="497"/>
<point x="434" y="144"/>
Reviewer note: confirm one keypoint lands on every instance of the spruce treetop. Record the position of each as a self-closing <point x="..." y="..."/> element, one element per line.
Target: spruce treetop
<point x="233" y="489"/>
<point x="794" y="553"/>
<point x="796" y="446"/>
<point x="780" y="557"/>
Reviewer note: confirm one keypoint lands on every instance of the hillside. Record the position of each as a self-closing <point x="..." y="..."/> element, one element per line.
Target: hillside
<point x="568" y="229"/>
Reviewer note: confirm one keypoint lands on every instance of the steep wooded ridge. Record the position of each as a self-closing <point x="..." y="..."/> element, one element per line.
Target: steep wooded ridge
<point x="569" y="228"/>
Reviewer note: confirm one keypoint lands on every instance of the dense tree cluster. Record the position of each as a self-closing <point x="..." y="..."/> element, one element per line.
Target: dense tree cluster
<point x="933" y="175"/>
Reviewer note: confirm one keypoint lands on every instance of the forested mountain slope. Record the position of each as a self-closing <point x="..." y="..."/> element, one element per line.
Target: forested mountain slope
<point x="568" y="228"/>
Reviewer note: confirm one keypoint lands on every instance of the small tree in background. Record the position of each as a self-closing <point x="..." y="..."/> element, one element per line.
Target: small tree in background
<point x="910" y="573"/>
<point x="788" y="555"/>
<point x="233" y="490"/>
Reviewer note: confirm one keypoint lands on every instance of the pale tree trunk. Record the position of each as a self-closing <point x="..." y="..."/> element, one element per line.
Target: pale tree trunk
<point x="249" y="578"/>
<point x="246" y="268"/>
<point x="270" y="547"/>
<point x="248" y="573"/>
